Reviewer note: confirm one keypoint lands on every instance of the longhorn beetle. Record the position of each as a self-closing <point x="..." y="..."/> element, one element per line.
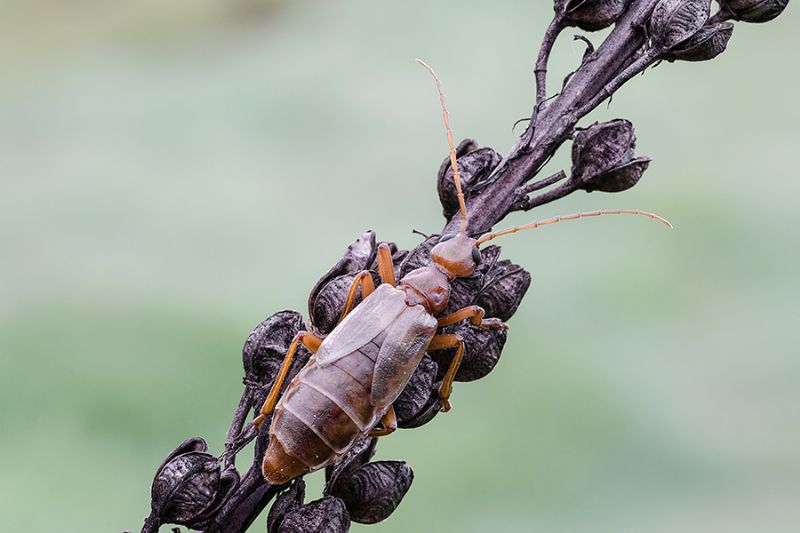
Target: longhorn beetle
<point x="355" y="374"/>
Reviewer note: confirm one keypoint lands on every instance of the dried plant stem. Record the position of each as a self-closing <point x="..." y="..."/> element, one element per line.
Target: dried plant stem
<point x="540" y="72"/>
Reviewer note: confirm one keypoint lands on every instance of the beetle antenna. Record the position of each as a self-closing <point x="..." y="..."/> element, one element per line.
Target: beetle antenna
<point x="461" y="205"/>
<point x="533" y="225"/>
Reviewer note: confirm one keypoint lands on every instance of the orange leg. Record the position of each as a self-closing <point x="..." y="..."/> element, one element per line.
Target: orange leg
<point x="441" y="342"/>
<point x="385" y="265"/>
<point x="311" y="342"/>
<point x="389" y="422"/>
<point x="475" y="315"/>
<point x="364" y="279"/>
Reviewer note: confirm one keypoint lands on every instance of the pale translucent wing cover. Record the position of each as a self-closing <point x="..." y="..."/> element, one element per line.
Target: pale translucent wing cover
<point x="406" y="340"/>
<point x="362" y="325"/>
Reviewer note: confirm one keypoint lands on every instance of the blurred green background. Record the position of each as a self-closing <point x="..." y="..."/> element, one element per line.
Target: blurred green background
<point x="174" y="172"/>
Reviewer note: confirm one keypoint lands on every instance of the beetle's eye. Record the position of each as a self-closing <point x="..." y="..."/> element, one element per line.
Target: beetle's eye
<point x="476" y="256"/>
<point x="446" y="237"/>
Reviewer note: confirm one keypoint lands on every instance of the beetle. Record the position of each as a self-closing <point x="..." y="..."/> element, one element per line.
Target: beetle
<point x="346" y="389"/>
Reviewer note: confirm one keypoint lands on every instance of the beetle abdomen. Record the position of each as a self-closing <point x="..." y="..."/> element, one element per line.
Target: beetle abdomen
<point x="321" y="414"/>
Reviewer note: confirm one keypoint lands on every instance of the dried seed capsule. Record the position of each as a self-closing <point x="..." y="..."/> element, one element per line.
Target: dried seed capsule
<point x="504" y="287"/>
<point x="591" y="15"/>
<point x="359" y="455"/>
<point x="482" y="350"/>
<point x="601" y="147"/>
<point x="326" y="515"/>
<point x="189" y="486"/>
<point x="330" y="299"/>
<point x="374" y="491"/>
<point x="432" y="408"/>
<point x="285" y="503"/>
<point x="474" y="164"/>
<point x="603" y="157"/>
<point x="754" y="10"/>
<point x="267" y="344"/>
<point x="415" y="396"/>
<point x="708" y="43"/>
<point x="675" y="21"/>
<point x="620" y="178"/>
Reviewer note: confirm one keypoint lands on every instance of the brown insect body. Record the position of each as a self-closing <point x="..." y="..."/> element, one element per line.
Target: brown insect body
<point x="358" y="371"/>
<point x="348" y="385"/>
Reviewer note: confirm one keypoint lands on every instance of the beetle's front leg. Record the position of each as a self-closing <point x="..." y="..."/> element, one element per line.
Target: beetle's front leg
<point x="475" y="315"/>
<point x="441" y="342"/>
<point x="311" y="342"/>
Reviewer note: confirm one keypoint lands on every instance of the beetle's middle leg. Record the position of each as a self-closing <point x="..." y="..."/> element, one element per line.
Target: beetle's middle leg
<point x="475" y="315"/>
<point x="389" y="422"/>
<point x="311" y="342"/>
<point x="364" y="279"/>
<point x="441" y="342"/>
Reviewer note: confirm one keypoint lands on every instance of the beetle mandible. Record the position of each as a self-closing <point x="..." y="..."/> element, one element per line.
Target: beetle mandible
<point x="346" y="390"/>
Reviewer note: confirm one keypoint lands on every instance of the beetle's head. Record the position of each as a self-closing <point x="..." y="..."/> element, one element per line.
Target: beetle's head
<point x="456" y="254"/>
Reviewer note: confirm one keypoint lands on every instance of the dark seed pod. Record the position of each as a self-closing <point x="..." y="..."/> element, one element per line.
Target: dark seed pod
<point x="601" y="147"/>
<point x="591" y="15"/>
<point x="415" y="395"/>
<point x="603" y="157"/>
<point x="504" y="287"/>
<point x="432" y="408"/>
<point x="359" y="455"/>
<point x="358" y="256"/>
<point x="474" y="164"/>
<point x="482" y="350"/>
<point x="619" y="179"/>
<point x="754" y="10"/>
<point x="708" y="43"/>
<point x="374" y="491"/>
<point x="326" y="515"/>
<point x="675" y="21"/>
<point x="189" y="486"/>
<point x="330" y="299"/>
<point x="285" y="503"/>
<point x="267" y="344"/>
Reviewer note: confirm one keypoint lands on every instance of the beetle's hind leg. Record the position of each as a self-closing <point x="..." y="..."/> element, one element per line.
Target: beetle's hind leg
<point x="311" y="342"/>
<point x="441" y="342"/>
<point x="475" y="315"/>
<point x="389" y="423"/>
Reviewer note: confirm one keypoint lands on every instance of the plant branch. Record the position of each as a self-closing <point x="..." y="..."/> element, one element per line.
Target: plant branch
<point x="540" y="72"/>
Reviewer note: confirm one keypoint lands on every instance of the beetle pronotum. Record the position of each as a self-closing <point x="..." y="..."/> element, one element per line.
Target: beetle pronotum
<point x="346" y="390"/>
